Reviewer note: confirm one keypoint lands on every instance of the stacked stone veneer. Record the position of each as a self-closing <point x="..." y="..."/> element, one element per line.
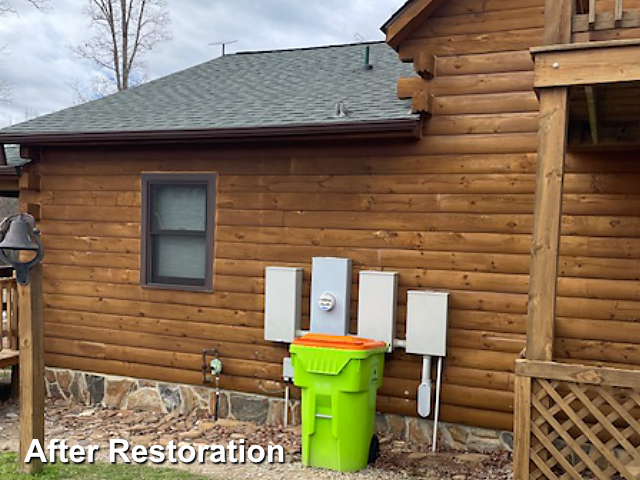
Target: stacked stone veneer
<point x="147" y="395"/>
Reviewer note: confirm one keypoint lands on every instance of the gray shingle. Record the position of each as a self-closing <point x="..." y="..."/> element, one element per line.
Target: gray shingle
<point x="261" y="89"/>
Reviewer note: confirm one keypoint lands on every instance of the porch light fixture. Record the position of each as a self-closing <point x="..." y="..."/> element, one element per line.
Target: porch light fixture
<point x="19" y="233"/>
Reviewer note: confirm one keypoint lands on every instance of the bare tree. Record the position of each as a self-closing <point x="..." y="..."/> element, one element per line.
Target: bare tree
<point x="7" y="6"/>
<point x="125" y="31"/>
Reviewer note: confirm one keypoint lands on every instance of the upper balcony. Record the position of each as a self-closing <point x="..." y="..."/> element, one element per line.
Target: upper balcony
<point x="596" y="55"/>
<point x="605" y="20"/>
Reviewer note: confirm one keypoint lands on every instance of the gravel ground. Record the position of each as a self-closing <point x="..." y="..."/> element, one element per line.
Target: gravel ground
<point x="89" y="426"/>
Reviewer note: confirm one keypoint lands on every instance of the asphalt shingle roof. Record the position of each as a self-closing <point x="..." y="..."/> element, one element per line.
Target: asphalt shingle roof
<point x="246" y="90"/>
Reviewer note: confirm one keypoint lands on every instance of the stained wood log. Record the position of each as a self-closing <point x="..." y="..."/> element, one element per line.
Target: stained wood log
<point x="601" y="63"/>
<point x="425" y="65"/>
<point x="494" y="42"/>
<point x="557" y="21"/>
<point x="546" y="235"/>
<point x="490" y="21"/>
<point x="31" y="369"/>
<point x="522" y="425"/>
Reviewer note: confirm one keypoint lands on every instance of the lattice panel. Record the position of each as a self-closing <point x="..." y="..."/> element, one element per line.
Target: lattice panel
<point x="583" y="431"/>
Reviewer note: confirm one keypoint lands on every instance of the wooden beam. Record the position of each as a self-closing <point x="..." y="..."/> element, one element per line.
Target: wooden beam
<point x="30" y="153"/>
<point x="547" y="217"/>
<point x="619" y="13"/>
<point x="412" y="16"/>
<point x="588" y="64"/>
<point x="564" y="372"/>
<point x="558" y="15"/>
<point x="35" y="210"/>
<point x="592" y="14"/>
<point x="422" y="102"/>
<point x="592" y="106"/>
<point x="30" y="181"/>
<point x="32" y="392"/>
<point x="425" y="65"/>
<point x="407" y="87"/>
<point x="521" y="428"/>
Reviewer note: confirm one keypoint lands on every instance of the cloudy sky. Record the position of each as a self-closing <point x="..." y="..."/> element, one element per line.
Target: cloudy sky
<point x="40" y="69"/>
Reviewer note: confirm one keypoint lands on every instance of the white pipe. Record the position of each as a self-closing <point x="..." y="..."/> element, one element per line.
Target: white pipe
<point x="286" y="406"/>
<point x="436" y="413"/>
<point x="302" y="333"/>
<point x="426" y="369"/>
<point x="425" y="388"/>
<point x="397" y="343"/>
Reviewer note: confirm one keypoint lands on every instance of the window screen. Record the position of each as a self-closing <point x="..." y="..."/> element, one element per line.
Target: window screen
<point x="178" y="233"/>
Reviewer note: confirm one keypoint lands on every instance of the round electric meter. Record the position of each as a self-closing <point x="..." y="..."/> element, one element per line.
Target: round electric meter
<point x="326" y="302"/>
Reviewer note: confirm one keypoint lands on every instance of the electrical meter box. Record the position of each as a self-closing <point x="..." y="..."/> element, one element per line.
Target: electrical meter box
<point x="282" y="303"/>
<point x="330" y="295"/>
<point x="377" y="300"/>
<point x="427" y="314"/>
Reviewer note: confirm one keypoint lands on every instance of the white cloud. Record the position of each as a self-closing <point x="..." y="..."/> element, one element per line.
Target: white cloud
<point x="39" y="67"/>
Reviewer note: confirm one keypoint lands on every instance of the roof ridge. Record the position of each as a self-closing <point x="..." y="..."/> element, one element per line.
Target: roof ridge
<point x="318" y="47"/>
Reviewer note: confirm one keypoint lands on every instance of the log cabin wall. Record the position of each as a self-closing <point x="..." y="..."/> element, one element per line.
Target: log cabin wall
<point x="452" y="211"/>
<point x="442" y="221"/>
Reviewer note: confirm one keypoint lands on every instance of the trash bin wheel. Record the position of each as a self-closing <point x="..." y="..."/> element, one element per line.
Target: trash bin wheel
<point x="374" y="449"/>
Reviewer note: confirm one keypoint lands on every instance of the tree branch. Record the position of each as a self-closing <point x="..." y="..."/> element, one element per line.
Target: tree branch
<point x="125" y="29"/>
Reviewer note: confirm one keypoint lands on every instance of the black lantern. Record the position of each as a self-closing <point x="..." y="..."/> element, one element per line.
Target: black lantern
<point x="19" y="233"/>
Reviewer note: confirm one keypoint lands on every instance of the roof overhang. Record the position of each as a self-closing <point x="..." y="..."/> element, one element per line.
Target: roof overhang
<point x="408" y="127"/>
<point x="404" y="21"/>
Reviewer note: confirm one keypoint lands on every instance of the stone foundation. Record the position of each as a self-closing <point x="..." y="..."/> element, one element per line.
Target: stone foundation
<point x="146" y="395"/>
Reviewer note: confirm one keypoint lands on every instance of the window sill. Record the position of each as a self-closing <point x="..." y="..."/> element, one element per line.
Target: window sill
<point x="178" y="288"/>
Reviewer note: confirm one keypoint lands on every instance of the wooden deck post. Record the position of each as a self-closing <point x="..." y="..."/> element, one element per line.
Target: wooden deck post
<point x="552" y="148"/>
<point x="31" y="327"/>
<point x="547" y="218"/>
<point x="522" y="426"/>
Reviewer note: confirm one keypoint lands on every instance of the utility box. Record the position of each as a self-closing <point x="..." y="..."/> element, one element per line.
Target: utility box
<point x="330" y="295"/>
<point x="427" y="314"/>
<point x="282" y="304"/>
<point x="377" y="301"/>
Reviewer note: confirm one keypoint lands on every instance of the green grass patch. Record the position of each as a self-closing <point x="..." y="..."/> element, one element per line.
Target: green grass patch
<point x="97" y="471"/>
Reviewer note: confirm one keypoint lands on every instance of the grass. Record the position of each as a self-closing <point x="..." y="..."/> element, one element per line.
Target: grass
<point x="98" y="471"/>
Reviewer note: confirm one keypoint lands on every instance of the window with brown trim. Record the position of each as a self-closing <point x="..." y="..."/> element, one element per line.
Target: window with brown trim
<point x="178" y="218"/>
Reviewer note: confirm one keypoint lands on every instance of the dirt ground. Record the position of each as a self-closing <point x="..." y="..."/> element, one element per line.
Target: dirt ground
<point x="88" y="426"/>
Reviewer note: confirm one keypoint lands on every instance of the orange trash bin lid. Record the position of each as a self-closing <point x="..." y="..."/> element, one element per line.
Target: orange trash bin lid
<point x="338" y="342"/>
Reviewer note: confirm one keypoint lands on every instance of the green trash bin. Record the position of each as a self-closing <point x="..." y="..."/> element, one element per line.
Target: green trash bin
<point x="339" y="378"/>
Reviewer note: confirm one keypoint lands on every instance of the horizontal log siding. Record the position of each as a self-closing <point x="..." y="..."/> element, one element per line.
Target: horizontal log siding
<point x="385" y="206"/>
<point x="607" y="273"/>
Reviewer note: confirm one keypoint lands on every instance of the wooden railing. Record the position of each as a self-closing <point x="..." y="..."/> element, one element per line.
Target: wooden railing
<point x="9" y="314"/>
<point x="574" y="422"/>
<point x="597" y="15"/>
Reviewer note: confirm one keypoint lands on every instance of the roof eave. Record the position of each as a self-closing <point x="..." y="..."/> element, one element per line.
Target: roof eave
<point x="410" y="15"/>
<point x="398" y="127"/>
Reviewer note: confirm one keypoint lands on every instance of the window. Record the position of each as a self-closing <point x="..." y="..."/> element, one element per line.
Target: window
<point x="177" y="230"/>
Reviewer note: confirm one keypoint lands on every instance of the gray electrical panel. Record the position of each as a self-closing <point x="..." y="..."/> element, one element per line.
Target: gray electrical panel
<point x="283" y="303"/>
<point x="330" y="295"/>
<point x="427" y="323"/>
<point x="377" y="301"/>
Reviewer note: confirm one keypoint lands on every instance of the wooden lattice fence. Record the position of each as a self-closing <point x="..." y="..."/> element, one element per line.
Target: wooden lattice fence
<point x="575" y="422"/>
